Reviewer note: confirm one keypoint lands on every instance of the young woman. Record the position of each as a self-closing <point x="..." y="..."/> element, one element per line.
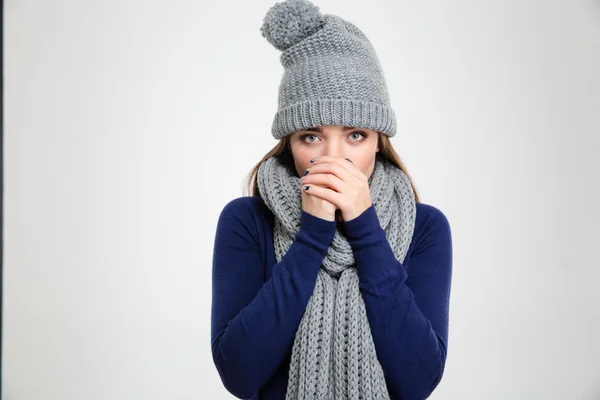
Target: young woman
<point x="332" y="280"/>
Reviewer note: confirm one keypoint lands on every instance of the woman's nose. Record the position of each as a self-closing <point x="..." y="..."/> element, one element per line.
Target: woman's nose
<point x="334" y="150"/>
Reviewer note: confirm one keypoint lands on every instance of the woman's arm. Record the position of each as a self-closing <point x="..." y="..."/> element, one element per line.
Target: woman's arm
<point x="408" y="313"/>
<point x="253" y="322"/>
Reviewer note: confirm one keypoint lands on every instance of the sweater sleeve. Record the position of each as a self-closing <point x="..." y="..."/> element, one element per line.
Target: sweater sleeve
<point x="253" y="321"/>
<point x="407" y="313"/>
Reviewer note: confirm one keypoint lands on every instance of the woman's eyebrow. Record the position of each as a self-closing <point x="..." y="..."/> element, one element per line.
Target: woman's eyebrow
<point x="320" y="130"/>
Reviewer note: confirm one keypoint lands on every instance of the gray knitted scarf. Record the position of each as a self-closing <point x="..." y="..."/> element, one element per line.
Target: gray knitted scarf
<point x="333" y="355"/>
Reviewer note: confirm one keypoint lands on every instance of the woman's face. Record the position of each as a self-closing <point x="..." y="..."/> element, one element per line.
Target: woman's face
<point x="358" y="144"/>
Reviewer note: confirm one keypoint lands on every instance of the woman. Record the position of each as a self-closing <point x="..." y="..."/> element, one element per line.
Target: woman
<point x="332" y="280"/>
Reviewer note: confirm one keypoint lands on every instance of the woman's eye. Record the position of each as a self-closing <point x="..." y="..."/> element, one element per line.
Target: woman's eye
<point x="359" y="136"/>
<point x="307" y="136"/>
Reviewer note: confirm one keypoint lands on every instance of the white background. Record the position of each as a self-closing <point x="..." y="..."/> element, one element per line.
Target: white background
<point x="129" y="125"/>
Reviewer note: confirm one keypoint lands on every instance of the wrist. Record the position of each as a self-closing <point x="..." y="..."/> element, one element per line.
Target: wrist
<point x="364" y="225"/>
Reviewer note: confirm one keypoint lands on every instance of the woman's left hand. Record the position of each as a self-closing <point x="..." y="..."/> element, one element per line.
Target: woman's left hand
<point x="341" y="183"/>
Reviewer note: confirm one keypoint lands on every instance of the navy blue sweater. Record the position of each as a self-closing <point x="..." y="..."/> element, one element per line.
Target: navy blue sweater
<point x="257" y="303"/>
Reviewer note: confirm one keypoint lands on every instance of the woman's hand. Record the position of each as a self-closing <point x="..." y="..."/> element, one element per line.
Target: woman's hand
<point x="316" y="206"/>
<point x="341" y="183"/>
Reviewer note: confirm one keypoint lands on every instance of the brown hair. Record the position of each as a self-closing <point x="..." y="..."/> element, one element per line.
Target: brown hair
<point x="282" y="150"/>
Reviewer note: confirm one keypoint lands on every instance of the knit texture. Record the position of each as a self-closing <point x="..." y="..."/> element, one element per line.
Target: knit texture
<point x="332" y="74"/>
<point x="333" y="354"/>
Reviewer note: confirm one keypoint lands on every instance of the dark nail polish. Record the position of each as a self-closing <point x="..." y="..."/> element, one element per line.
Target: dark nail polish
<point x="314" y="159"/>
<point x="306" y="187"/>
<point x="305" y="172"/>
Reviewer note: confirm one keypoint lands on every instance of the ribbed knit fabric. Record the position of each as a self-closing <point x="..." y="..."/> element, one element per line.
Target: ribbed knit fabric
<point x="334" y="356"/>
<point x="332" y="74"/>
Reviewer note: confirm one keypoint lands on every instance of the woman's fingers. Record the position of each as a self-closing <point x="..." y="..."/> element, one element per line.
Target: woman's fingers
<point x="342" y="167"/>
<point x="328" y="180"/>
<point x="322" y="192"/>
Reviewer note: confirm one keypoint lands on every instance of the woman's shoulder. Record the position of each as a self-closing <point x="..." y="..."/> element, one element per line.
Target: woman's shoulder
<point x="430" y="215"/>
<point x="244" y="204"/>
<point x="431" y="225"/>
<point x="246" y="209"/>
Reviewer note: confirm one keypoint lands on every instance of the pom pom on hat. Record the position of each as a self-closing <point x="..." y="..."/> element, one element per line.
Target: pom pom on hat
<point x="290" y="21"/>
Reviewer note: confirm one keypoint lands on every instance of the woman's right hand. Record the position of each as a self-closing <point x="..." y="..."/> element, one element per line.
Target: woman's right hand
<point x="316" y="206"/>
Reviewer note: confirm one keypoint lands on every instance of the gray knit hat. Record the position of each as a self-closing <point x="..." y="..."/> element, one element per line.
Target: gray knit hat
<point x="332" y="75"/>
